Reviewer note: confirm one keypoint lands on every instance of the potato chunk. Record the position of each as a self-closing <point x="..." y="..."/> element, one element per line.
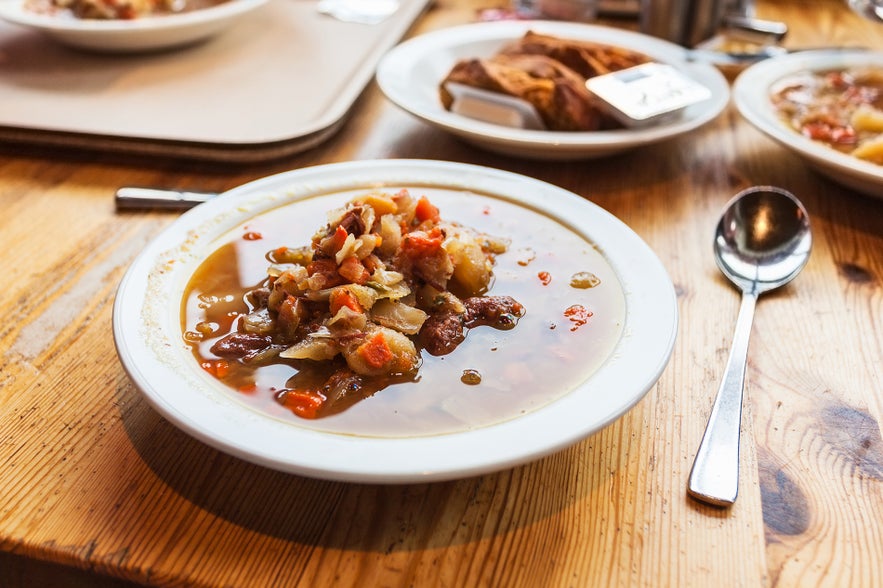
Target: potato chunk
<point x="381" y="352"/>
<point x="472" y="268"/>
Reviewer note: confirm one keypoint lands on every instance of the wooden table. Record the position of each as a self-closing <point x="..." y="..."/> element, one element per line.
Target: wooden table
<point x="98" y="489"/>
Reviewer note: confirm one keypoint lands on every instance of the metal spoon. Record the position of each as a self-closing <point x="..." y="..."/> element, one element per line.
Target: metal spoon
<point x="870" y="9"/>
<point x="136" y="198"/>
<point x="762" y="242"/>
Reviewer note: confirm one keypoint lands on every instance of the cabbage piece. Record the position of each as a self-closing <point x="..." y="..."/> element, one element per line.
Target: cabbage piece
<point x="389" y="284"/>
<point x="347" y="319"/>
<point x="349" y="248"/>
<point x="495" y="245"/>
<point x="316" y="348"/>
<point x="438" y="300"/>
<point x="294" y="255"/>
<point x="288" y="282"/>
<point x="398" y="316"/>
<point x="258" y="322"/>
<point x="390" y="234"/>
<point x="368" y="216"/>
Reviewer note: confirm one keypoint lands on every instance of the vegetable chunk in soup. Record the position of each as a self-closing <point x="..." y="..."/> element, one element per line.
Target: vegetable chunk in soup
<point x="412" y="311"/>
<point x="841" y="108"/>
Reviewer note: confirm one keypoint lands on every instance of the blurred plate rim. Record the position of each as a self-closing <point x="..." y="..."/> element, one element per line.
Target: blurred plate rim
<point x="137" y="34"/>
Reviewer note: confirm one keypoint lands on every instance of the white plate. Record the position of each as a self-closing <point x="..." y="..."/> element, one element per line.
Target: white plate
<point x="148" y="33"/>
<point x="751" y="94"/>
<point x="410" y="74"/>
<point x="147" y="332"/>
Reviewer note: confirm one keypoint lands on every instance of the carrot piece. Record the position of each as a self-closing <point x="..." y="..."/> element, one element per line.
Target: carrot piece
<point x="219" y="368"/>
<point x="421" y="243"/>
<point x="341" y="297"/>
<point x="248" y="388"/>
<point x="304" y="403"/>
<point x="340" y="235"/>
<point x="222" y="368"/>
<point x="375" y="351"/>
<point x="352" y="269"/>
<point x="426" y="211"/>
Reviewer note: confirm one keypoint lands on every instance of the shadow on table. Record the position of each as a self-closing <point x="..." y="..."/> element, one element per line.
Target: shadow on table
<point x="374" y="517"/>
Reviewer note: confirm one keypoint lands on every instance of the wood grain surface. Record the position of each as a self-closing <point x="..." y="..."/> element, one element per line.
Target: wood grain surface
<point x="97" y="489"/>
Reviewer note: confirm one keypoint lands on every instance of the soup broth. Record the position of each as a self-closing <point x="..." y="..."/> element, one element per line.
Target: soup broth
<point x="574" y="314"/>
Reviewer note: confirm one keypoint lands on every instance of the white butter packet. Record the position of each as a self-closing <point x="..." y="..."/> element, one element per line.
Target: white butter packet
<point x="646" y="94"/>
<point x="493" y="107"/>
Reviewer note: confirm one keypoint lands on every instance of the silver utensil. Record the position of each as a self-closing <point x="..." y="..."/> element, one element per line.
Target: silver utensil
<point x="762" y="242"/>
<point x="707" y="54"/>
<point x="135" y="198"/>
<point x="870" y="9"/>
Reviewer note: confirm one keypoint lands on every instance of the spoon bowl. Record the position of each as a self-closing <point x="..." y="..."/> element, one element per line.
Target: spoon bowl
<point x="763" y="239"/>
<point x="761" y="242"/>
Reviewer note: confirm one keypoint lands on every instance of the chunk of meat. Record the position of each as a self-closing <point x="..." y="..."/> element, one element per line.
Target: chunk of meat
<point x="241" y="345"/>
<point x="499" y="312"/>
<point x="444" y="330"/>
<point x="352" y="221"/>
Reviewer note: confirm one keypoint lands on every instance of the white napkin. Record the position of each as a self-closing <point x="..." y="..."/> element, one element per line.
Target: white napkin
<point x="360" y="11"/>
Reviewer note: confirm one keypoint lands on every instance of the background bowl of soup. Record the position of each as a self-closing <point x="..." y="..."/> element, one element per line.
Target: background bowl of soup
<point x="188" y="23"/>
<point x="811" y="78"/>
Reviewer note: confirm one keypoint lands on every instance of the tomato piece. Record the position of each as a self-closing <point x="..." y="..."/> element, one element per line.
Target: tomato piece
<point x="830" y="133"/>
<point x="578" y="314"/>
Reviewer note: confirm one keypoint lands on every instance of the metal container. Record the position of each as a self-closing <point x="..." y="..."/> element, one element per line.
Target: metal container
<point x="689" y="22"/>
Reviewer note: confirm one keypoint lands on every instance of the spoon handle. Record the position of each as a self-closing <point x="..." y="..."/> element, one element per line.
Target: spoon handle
<point x="715" y="475"/>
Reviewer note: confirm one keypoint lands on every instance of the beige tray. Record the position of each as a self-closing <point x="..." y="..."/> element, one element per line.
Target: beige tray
<point x="277" y="83"/>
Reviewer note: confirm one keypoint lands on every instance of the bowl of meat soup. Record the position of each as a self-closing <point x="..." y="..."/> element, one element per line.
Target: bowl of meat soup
<point x="826" y="106"/>
<point x="597" y="329"/>
<point x="127" y="27"/>
<point x="549" y="351"/>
